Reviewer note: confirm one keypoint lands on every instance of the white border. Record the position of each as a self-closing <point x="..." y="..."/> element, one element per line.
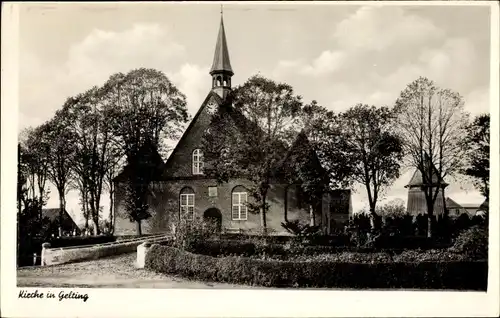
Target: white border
<point x="222" y="303"/>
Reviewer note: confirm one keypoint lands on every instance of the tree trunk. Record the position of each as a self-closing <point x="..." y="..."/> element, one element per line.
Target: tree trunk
<point x="263" y="221"/>
<point x="138" y="227"/>
<point x="111" y="210"/>
<point x="62" y="209"/>
<point x="373" y="218"/>
<point x="95" y="218"/>
<point x="312" y="221"/>
<point x="430" y="218"/>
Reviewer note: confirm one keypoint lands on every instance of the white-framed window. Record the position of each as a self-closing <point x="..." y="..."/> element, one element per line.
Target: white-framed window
<point x="239" y="204"/>
<point x="186" y="207"/>
<point x="197" y="161"/>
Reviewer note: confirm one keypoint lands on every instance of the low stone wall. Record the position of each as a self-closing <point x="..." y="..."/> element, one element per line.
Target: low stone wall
<point x="55" y="256"/>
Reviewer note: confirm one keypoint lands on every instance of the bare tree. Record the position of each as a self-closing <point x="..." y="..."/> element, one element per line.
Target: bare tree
<point x="432" y="123"/>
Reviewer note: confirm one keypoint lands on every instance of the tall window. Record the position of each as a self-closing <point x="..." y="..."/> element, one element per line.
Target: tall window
<point x="187" y="204"/>
<point x="239" y="204"/>
<point x="197" y="161"/>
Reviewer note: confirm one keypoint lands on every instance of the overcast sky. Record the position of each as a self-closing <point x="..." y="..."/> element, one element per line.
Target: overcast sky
<point x="338" y="55"/>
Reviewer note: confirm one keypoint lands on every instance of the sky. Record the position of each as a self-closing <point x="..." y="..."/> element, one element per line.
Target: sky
<point x="339" y="55"/>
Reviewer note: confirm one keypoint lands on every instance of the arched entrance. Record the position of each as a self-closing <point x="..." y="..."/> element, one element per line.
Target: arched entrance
<point x="213" y="215"/>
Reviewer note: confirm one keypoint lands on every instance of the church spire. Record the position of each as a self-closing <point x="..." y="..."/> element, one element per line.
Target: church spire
<point x="221" y="61"/>
<point x="221" y="70"/>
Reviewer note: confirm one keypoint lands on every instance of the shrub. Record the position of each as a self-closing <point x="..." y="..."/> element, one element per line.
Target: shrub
<point x="472" y="242"/>
<point x="189" y="232"/>
<point x="243" y="270"/>
<point x="295" y="227"/>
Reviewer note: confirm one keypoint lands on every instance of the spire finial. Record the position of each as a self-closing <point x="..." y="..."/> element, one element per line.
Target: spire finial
<point x="221" y="10"/>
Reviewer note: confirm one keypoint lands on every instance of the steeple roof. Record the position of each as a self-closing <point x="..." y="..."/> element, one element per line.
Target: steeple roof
<point x="221" y="61"/>
<point x="417" y="179"/>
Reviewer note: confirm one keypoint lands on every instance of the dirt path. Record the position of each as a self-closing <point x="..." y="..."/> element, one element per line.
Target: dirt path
<point x="117" y="272"/>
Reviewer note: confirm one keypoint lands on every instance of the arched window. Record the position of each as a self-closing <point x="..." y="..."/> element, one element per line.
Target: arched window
<point x="239" y="201"/>
<point x="219" y="81"/>
<point x="186" y="206"/>
<point x="197" y="161"/>
<point x="225" y="81"/>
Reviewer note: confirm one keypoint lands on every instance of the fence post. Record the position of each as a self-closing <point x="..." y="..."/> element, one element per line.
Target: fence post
<point x="42" y="256"/>
<point x="142" y="249"/>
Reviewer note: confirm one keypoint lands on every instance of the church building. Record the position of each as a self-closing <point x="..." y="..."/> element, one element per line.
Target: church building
<point x="183" y="192"/>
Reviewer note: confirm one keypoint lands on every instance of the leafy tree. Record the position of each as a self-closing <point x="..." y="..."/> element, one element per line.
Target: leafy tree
<point x="60" y="158"/>
<point x="393" y="208"/>
<point x="145" y="109"/>
<point x="431" y="122"/>
<point x="325" y="136"/>
<point x="477" y="143"/>
<point x="302" y="167"/>
<point x="249" y="139"/>
<point x="372" y="148"/>
<point x="35" y="165"/>
<point x="92" y="131"/>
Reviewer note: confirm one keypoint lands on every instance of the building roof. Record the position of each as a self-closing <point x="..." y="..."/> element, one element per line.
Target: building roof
<point x="53" y="215"/>
<point x="485" y="205"/>
<point x="301" y="152"/>
<point x="417" y="180"/>
<point x="451" y="204"/>
<point x="154" y="159"/>
<point x="221" y="61"/>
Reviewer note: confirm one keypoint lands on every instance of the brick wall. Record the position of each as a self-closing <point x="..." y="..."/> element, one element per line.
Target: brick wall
<point x="164" y="204"/>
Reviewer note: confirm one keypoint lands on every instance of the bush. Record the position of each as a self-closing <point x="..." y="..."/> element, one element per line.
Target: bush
<point x="243" y="270"/>
<point x="297" y="228"/>
<point x="472" y="242"/>
<point x="190" y="232"/>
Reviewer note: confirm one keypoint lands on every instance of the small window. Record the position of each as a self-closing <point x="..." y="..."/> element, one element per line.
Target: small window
<point x="212" y="191"/>
<point x="197" y="161"/>
<point x="187" y="204"/>
<point x="239" y="204"/>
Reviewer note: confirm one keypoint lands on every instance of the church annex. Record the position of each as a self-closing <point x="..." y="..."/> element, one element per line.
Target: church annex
<point x="182" y="191"/>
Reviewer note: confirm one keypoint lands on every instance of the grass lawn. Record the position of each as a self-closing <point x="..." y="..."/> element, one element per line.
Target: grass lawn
<point x="113" y="272"/>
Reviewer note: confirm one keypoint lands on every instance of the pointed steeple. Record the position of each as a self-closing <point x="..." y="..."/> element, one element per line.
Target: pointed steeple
<point x="221" y="61"/>
<point x="221" y="70"/>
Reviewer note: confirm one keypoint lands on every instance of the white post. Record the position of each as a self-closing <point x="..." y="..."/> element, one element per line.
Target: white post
<point x="142" y="249"/>
<point x="42" y="256"/>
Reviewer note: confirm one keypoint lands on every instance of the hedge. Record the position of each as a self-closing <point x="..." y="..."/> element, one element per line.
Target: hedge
<point x="249" y="248"/>
<point x="330" y="240"/>
<point x="468" y="275"/>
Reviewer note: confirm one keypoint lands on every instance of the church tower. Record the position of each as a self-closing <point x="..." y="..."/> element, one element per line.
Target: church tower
<point x="221" y="70"/>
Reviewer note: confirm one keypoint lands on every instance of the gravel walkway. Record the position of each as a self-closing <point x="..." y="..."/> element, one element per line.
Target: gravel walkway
<point x="117" y="272"/>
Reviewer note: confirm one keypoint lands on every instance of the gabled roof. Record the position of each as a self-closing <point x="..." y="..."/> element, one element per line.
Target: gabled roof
<point x="221" y="61"/>
<point x="302" y="149"/>
<point x="484" y="206"/>
<point x="155" y="157"/>
<point x="53" y="215"/>
<point x="451" y="204"/>
<point x="210" y="95"/>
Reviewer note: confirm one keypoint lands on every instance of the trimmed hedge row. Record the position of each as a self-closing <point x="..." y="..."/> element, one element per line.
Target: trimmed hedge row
<point x="471" y="275"/>
<point x="217" y="248"/>
<point x="249" y="248"/>
<point x="330" y="240"/>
